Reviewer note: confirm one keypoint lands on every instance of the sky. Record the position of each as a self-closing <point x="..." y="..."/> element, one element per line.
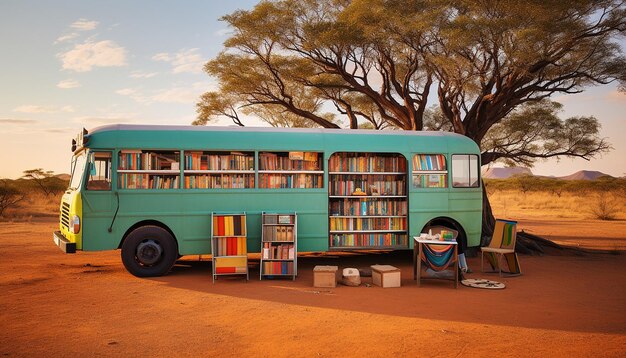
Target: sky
<point x="66" y="65"/>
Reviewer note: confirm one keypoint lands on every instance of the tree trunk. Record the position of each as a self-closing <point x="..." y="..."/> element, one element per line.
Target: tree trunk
<point x="489" y="221"/>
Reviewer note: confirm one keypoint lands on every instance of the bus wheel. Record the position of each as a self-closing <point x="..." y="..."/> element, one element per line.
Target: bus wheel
<point x="149" y="251"/>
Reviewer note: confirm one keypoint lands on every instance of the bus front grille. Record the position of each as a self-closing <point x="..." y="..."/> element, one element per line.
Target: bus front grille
<point x="65" y="215"/>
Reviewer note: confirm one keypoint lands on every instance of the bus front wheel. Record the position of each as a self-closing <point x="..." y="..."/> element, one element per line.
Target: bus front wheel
<point x="149" y="251"/>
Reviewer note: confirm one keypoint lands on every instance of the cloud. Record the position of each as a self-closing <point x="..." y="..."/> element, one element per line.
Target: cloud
<point x="134" y="94"/>
<point x="60" y="130"/>
<point x="173" y="95"/>
<point x="84" y="25"/>
<point x="67" y="37"/>
<point x="184" y="61"/>
<point x="139" y="74"/>
<point x="126" y="91"/>
<point x="43" y="109"/>
<point x="163" y="56"/>
<point x="17" y="121"/>
<point x="180" y="93"/>
<point x="90" y="121"/>
<point x="177" y="95"/>
<point x="84" y="57"/>
<point x="70" y="83"/>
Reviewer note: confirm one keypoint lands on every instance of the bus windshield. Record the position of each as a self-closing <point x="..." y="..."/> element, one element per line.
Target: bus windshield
<point x="78" y="166"/>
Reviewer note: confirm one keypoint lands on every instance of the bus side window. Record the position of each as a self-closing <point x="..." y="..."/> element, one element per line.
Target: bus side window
<point x="99" y="171"/>
<point x="465" y="171"/>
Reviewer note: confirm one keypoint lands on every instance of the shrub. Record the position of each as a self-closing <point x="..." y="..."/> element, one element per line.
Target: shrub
<point x="9" y="196"/>
<point x="604" y="207"/>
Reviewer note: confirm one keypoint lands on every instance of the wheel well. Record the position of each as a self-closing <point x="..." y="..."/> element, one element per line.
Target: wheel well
<point x="147" y="223"/>
<point x="448" y="222"/>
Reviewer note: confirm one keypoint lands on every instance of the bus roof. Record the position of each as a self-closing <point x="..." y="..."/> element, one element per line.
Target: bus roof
<point x="270" y="138"/>
<point x="155" y="127"/>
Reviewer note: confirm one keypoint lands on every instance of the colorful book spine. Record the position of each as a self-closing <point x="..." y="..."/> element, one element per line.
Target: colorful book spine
<point x="369" y="240"/>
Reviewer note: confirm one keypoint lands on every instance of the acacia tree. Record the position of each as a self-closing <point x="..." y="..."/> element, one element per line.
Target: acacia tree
<point x="377" y="61"/>
<point x="45" y="180"/>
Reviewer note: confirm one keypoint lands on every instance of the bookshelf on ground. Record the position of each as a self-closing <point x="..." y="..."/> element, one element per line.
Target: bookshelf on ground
<point x="228" y="244"/>
<point x="279" y="245"/>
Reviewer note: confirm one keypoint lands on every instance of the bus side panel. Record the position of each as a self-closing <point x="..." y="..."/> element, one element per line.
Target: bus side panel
<point x="461" y="205"/>
<point x="425" y="205"/>
<point x="134" y="207"/>
<point x="466" y="207"/>
<point x="310" y="206"/>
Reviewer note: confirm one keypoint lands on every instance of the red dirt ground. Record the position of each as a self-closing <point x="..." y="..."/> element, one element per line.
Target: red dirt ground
<point x="86" y="304"/>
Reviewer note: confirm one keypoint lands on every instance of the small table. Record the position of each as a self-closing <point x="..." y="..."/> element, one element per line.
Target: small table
<point x="442" y="247"/>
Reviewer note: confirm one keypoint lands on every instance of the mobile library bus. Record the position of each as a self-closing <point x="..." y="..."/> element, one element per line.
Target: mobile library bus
<point x="150" y="190"/>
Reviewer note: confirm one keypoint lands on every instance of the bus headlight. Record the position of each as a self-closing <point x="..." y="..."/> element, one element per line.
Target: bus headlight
<point x="75" y="224"/>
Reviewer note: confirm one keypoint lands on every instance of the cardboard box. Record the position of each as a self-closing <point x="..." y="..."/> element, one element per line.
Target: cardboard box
<point x="385" y="276"/>
<point x="325" y="276"/>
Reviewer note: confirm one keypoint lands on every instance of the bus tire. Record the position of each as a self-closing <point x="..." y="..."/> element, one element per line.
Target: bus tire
<point x="149" y="251"/>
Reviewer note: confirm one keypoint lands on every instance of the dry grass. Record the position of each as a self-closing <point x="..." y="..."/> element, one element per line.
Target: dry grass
<point x="547" y="205"/>
<point x="35" y="204"/>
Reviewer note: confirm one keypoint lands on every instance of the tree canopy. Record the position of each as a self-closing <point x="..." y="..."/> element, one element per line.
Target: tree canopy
<point x="380" y="61"/>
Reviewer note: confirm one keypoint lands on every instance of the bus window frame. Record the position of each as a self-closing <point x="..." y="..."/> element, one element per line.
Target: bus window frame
<point x="91" y="158"/>
<point x="80" y="180"/>
<point x="469" y="177"/>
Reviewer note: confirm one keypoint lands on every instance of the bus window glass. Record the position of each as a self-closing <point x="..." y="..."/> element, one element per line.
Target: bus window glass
<point x="99" y="171"/>
<point x="465" y="171"/>
<point x="78" y="166"/>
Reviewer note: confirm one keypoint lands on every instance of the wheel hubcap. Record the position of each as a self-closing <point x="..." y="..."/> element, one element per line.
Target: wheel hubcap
<point x="149" y="252"/>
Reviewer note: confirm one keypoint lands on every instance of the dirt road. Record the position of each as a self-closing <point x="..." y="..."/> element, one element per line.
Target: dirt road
<point x="86" y="304"/>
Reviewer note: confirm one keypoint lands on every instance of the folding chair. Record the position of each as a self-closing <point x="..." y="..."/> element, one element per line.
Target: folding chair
<point x="502" y="248"/>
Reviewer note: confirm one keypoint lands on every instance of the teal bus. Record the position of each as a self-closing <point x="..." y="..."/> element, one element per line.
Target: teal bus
<point x="150" y="190"/>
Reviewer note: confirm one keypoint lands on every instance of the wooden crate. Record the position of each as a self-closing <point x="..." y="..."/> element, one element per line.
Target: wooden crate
<point x="325" y="276"/>
<point x="385" y="276"/>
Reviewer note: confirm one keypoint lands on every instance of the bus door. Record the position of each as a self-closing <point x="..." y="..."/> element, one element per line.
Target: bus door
<point x="98" y="199"/>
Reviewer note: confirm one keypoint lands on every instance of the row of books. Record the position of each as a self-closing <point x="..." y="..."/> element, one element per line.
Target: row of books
<point x="359" y="224"/>
<point x="384" y="185"/>
<point x="219" y="181"/>
<point x="429" y="162"/>
<point x="230" y="246"/>
<point x="291" y="181"/>
<point x="278" y="252"/>
<point x="430" y="180"/>
<point x="290" y="161"/>
<point x="368" y="207"/>
<point x="278" y="233"/>
<point x="231" y="270"/>
<point x="229" y="225"/>
<point x="277" y="268"/>
<point x="231" y="161"/>
<point x="347" y="162"/>
<point x="368" y="240"/>
<point x="137" y="160"/>
<point x="147" y="181"/>
<point x="278" y="219"/>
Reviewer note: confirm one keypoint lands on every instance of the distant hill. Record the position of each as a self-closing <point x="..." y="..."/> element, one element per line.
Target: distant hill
<point x="65" y="177"/>
<point x="505" y="173"/>
<point x="584" y="175"/>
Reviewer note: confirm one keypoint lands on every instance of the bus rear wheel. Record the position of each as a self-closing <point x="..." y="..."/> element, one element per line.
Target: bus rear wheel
<point x="149" y="251"/>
